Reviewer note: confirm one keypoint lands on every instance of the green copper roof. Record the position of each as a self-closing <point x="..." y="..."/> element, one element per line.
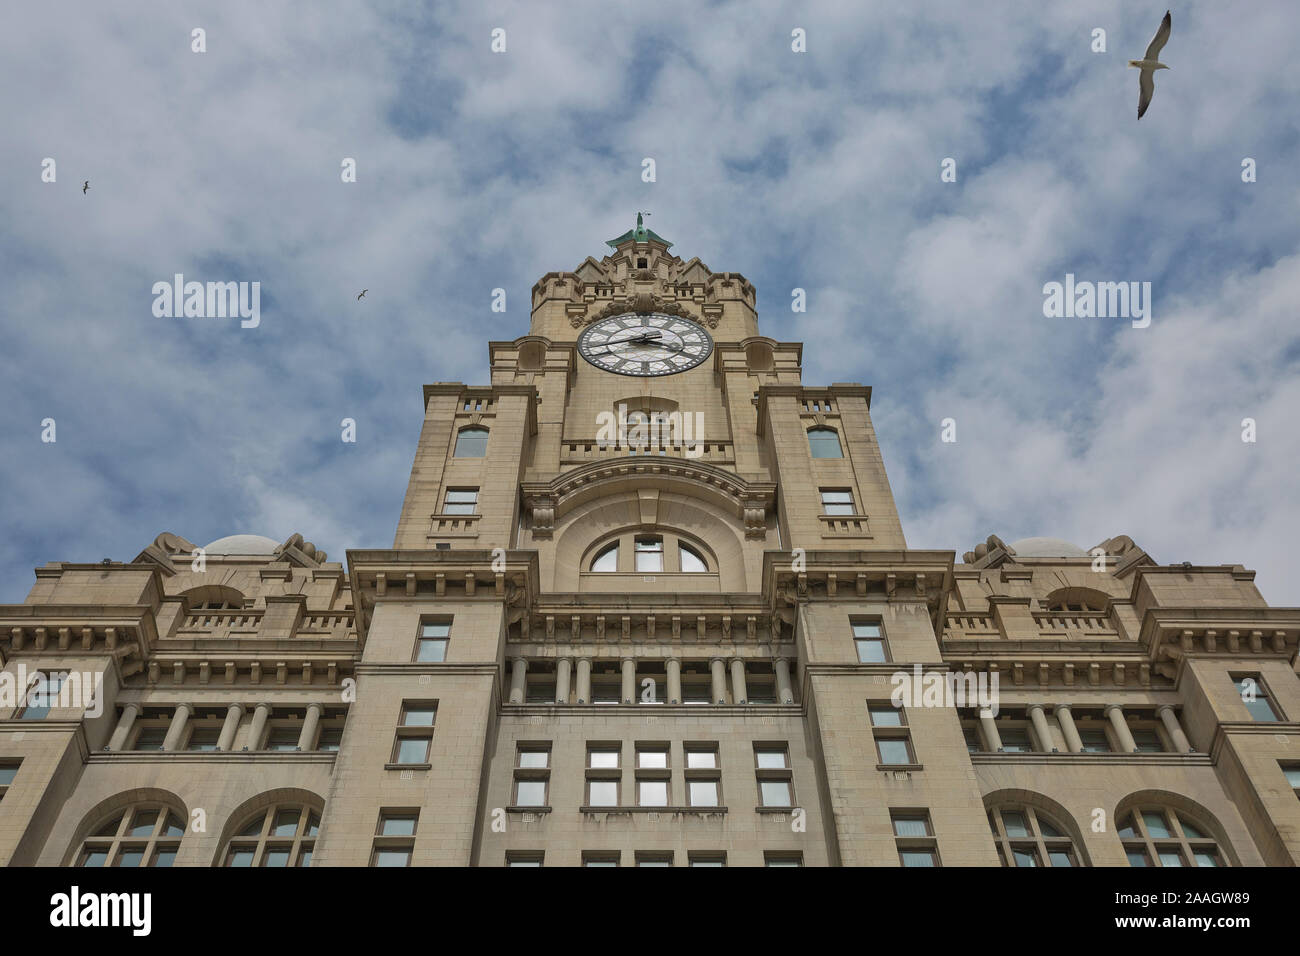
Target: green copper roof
<point x="639" y="234"/>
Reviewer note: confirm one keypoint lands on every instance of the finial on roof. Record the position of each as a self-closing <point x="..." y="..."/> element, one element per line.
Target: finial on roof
<point x="639" y="234"/>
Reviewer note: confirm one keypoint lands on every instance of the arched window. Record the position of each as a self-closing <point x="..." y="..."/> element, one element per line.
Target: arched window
<point x="692" y="562"/>
<point x="1026" y="836"/>
<point x="471" y="442"/>
<point x="824" y="443"/>
<point x="607" y="559"/>
<point x="140" y="835"/>
<point x="649" y="554"/>
<point x="278" y="835"/>
<point x="1162" y="836"/>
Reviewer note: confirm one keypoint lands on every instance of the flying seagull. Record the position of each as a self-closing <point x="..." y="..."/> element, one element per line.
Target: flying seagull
<point x="363" y="292"/>
<point x="1149" y="64"/>
<point x="85" y="187"/>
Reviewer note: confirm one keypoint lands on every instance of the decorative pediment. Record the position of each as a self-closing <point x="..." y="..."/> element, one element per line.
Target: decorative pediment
<point x="640" y="302"/>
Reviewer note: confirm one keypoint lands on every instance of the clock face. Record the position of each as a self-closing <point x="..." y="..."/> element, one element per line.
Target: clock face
<point x="645" y="343"/>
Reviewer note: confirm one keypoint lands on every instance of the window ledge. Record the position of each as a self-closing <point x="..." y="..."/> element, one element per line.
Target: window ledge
<point x="902" y="767"/>
<point x="775" y="809"/>
<point x="517" y="809"/>
<point x="698" y="811"/>
<point x="408" y="766"/>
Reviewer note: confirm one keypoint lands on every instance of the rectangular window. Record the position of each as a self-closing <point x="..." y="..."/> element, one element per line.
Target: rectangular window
<point x="431" y="646"/>
<point x="649" y="555"/>
<point x="602" y="793"/>
<point x="415" y="733"/>
<point x="707" y="859"/>
<point x="603" y="775"/>
<point x="394" y="838"/>
<point x="1292" y="772"/>
<point x="837" y="501"/>
<point x="1147" y="741"/>
<point x="1015" y="739"/>
<point x="654" y="859"/>
<point x="782" y="858"/>
<point x="42" y="696"/>
<point x="606" y="691"/>
<point x="775" y="781"/>
<point x="532" y="774"/>
<point x="150" y="738"/>
<point x="1094" y="741"/>
<point x="8" y="770"/>
<point x="524" y="859"/>
<point x="283" y="739"/>
<point x="696" y="691"/>
<point x="870" y="641"/>
<point x="1254" y="694"/>
<point x="330" y="738"/>
<point x="703" y="793"/>
<point x="890" y="729"/>
<point x="600" y="858"/>
<point x="203" y="738"/>
<point x="461" y="501"/>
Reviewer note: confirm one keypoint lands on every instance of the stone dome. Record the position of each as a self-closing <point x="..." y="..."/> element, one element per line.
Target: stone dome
<point x="242" y="544"/>
<point x="1046" y="548"/>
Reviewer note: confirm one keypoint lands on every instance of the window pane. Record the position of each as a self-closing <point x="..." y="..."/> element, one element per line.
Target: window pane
<point x="1048" y="828"/>
<point x="286" y="823"/>
<point x="837" y="503"/>
<point x="471" y="443"/>
<point x="1025" y="857"/>
<point x="911" y="827"/>
<point x="8" y="773"/>
<point x="330" y="738"/>
<point x="150" y="738"/>
<point x="1171" y="858"/>
<point x="1191" y="830"/>
<point x="463" y="502"/>
<point x="1014" y="823"/>
<point x="435" y="630"/>
<point x="1260" y="709"/>
<point x="1137" y="858"/>
<point x="707" y="861"/>
<point x="432" y="651"/>
<point x="604" y="793"/>
<point x="1292" y="776"/>
<point x="607" y="560"/>
<point x="283" y="739"/>
<point x="398" y="826"/>
<point x="701" y="760"/>
<point x="871" y="651"/>
<point x="419" y="717"/>
<point x="1060" y="858"/>
<point x="652" y="793"/>
<point x="523" y="863"/>
<point x="276" y="857"/>
<point x="240" y="858"/>
<point x="602" y="758"/>
<point x="704" y="793"/>
<point x="917" y="858"/>
<point x="771" y="759"/>
<point x="143" y="823"/>
<point x="1094" y="741"/>
<point x="95" y="858"/>
<point x="1205" y="858"/>
<point x="691" y="561"/>
<point x="824" y="443"/>
<point x="775" y="793"/>
<point x="392" y="857"/>
<point x="655" y="759"/>
<point x="886" y="717"/>
<point x="413" y="750"/>
<point x="1157" y="826"/>
<point x="131" y="857"/>
<point x="164" y="858"/>
<point x="1015" y="740"/>
<point x="1147" y="741"/>
<point x="894" y="752"/>
<point x="866" y="630"/>
<point x="649" y="554"/>
<point x="534" y="758"/>
<point x="530" y="793"/>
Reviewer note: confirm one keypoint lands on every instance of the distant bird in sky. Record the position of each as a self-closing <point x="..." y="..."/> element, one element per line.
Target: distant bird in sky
<point x="85" y="186"/>
<point x="1149" y="64"/>
<point x="363" y="292"/>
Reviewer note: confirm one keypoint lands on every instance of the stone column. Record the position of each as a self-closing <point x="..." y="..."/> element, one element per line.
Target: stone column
<point x="518" y="680"/>
<point x="307" y="739"/>
<point x="1172" y="727"/>
<point x="123" y="730"/>
<point x="628" y="694"/>
<point x="1068" y="730"/>
<point x="234" y="714"/>
<point x="177" y="729"/>
<point x="1117" y="721"/>
<point x="992" y="739"/>
<point x="563" y="667"/>
<point x="584" y="680"/>
<point x="719" y="680"/>
<point x="784" y="692"/>
<point x="258" y="728"/>
<point x="1039" y="720"/>
<point x="674" y="668"/>
<point x="739" y="692"/>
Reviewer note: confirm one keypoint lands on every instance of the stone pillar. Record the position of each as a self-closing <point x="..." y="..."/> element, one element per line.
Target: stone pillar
<point x="992" y="739"/>
<point x="1039" y="720"/>
<point x="234" y="714"/>
<point x="628" y="694"/>
<point x="1068" y="730"/>
<point x="518" y="680"/>
<point x="719" y="680"/>
<point x="674" y="668"/>
<point x="584" y="680"/>
<point x="1117" y="721"/>
<point x="563" y="667"/>
<point x="307" y="739"/>
<point x="177" y="729"/>
<point x="1172" y="727"/>
<point x="739" y="692"/>
<point x="784" y="692"/>
<point x="123" y="730"/>
<point x="258" y="729"/>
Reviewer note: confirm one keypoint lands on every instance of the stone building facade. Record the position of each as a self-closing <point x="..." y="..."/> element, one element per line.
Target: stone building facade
<point x="649" y="602"/>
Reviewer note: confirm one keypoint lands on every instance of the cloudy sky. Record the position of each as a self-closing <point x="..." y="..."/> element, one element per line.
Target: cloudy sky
<point x="818" y="170"/>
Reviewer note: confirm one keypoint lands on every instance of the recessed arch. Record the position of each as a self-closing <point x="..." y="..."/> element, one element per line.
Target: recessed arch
<point x="1077" y="599"/>
<point x="1048" y="827"/>
<point x="471" y="442"/>
<point x="1186" y="809"/>
<point x="824" y="442"/>
<point x="113" y="807"/>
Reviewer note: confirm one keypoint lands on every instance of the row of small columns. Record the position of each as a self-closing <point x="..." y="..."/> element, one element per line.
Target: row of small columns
<point x="1114" y="713"/>
<point x="717" y="670"/>
<point x="234" y="714"/>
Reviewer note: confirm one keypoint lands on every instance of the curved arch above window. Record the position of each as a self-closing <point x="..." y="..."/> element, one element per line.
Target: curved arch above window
<point x="471" y="442"/>
<point x="606" y="560"/>
<point x="1158" y="835"/>
<point x="1077" y="599"/>
<point x="214" y="597"/>
<point x="140" y="835"/>
<point x="1027" y="836"/>
<point x="824" y="443"/>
